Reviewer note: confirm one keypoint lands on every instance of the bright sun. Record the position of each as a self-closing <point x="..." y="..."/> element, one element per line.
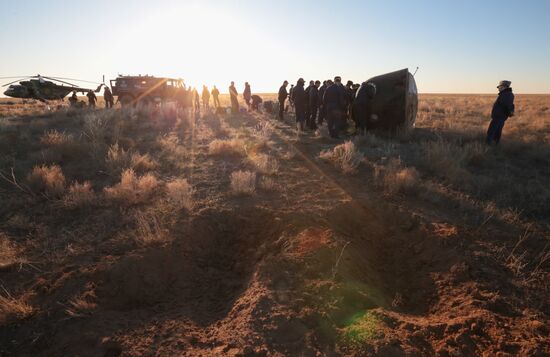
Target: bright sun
<point x="204" y="45"/>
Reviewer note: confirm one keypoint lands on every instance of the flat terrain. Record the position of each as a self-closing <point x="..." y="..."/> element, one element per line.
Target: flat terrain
<point x="139" y="233"/>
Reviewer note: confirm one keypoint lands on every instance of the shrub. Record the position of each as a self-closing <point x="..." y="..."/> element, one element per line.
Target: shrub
<point x="132" y="189"/>
<point x="180" y="193"/>
<point x="61" y="146"/>
<point x="119" y="159"/>
<point x="268" y="184"/>
<point x="48" y="180"/>
<point x="13" y="309"/>
<point x="98" y="125"/>
<point x="263" y="132"/>
<point x="344" y="156"/>
<point x="265" y="164"/>
<point x="227" y="147"/>
<point x="55" y="138"/>
<point x="446" y="160"/>
<point x="79" y="195"/>
<point x="149" y="229"/>
<point x="397" y="178"/>
<point x="243" y="182"/>
<point x="8" y="252"/>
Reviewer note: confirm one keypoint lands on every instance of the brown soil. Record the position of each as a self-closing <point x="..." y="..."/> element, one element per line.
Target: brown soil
<point x="284" y="273"/>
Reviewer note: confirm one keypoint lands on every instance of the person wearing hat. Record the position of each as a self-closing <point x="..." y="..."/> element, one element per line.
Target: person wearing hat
<point x="300" y="103"/>
<point x="335" y="101"/>
<point x="502" y="110"/>
<point x="283" y="94"/>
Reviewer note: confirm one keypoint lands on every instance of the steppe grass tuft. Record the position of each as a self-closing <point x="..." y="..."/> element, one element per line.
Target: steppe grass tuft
<point x="227" y="147"/>
<point x="345" y="156"/>
<point x="48" y="180"/>
<point x="133" y="189"/>
<point x="79" y="195"/>
<point x="243" y="182"/>
<point x="180" y="193"/>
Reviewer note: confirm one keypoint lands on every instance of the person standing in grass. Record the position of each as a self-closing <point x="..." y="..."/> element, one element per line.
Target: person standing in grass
<point x="215" y="97"/>
<point x="283" y="94"/>
<point x="247" y="94"/>
<point x="300" y="100"/>
<point x="502" y="110"/>
<point x="290" y="100"/>
<point x="313" y="105"/>
<point x="196" y="100"/>
<point x="91" y="99"/>
<point x="335" y="103"/>
<point x="205" y="98"/>
<point x="307" y="90"/>
<point x="109" y="99"/>
<point x="322" y="90"/>
<point x="234" y="98"/>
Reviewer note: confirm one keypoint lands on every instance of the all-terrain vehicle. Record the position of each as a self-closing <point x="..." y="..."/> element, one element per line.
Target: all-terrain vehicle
<point x="145" y="90"/>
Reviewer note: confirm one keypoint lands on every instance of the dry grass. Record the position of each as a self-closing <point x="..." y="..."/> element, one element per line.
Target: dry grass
<point x="12" y="309"/>
<point x="149" y="229"/>
<point x="55" y="138"/>
<point x="9" y="254"/>
<point x="119" y="159"/>
<point x="82" y="305"/>
<point x="227" y="147"/>
<point x="47" y="180"/>
<point x="263" y="132"/>
<point x="268" y="184"/>
<point x="243" y="182"/>
<point x="180" y="194"/>
<point x="345" y="156"/>
<point x="396" y="178"/>
<point x="79" y="195"/>
<point x="133" y="189"/>
<point x="265" y="164"/>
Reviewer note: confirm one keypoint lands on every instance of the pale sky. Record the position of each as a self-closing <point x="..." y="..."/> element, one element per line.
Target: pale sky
<point x="460" y="46"/>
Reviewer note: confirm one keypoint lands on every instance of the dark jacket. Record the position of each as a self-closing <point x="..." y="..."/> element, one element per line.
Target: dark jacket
<point x="322" y="90"/>
<point x="504" y="105"/>
<point x="314" y="97"/>
<point x="335" y="97"/>
<point x="247" y="92"/>
<point x="283" y="94"/>
<point x="308" y="88"/>
<point x="299" y="96"/>
<point x="350" y="96"/>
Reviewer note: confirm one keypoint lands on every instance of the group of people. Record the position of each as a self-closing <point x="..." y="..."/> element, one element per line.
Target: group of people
<point x="252" y="101"/>
<point x="330" y="101"/>
<point x="336" y="103"/>
<point x="92" y="99"/>
<point x="188" y="98"/>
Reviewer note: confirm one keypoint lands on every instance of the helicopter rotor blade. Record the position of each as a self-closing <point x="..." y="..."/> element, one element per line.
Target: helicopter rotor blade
<point x="19" y="80"/>
<point x="54" y="79"/>
<point x="73" y="79"/>
<point x="22" y="77"/>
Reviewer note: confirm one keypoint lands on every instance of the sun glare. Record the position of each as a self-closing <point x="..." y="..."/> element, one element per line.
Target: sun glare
<point x="204" y="45"/>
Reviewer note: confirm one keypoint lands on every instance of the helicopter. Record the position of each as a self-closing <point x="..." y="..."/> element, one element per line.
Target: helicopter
<point x="44" y="88"/>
